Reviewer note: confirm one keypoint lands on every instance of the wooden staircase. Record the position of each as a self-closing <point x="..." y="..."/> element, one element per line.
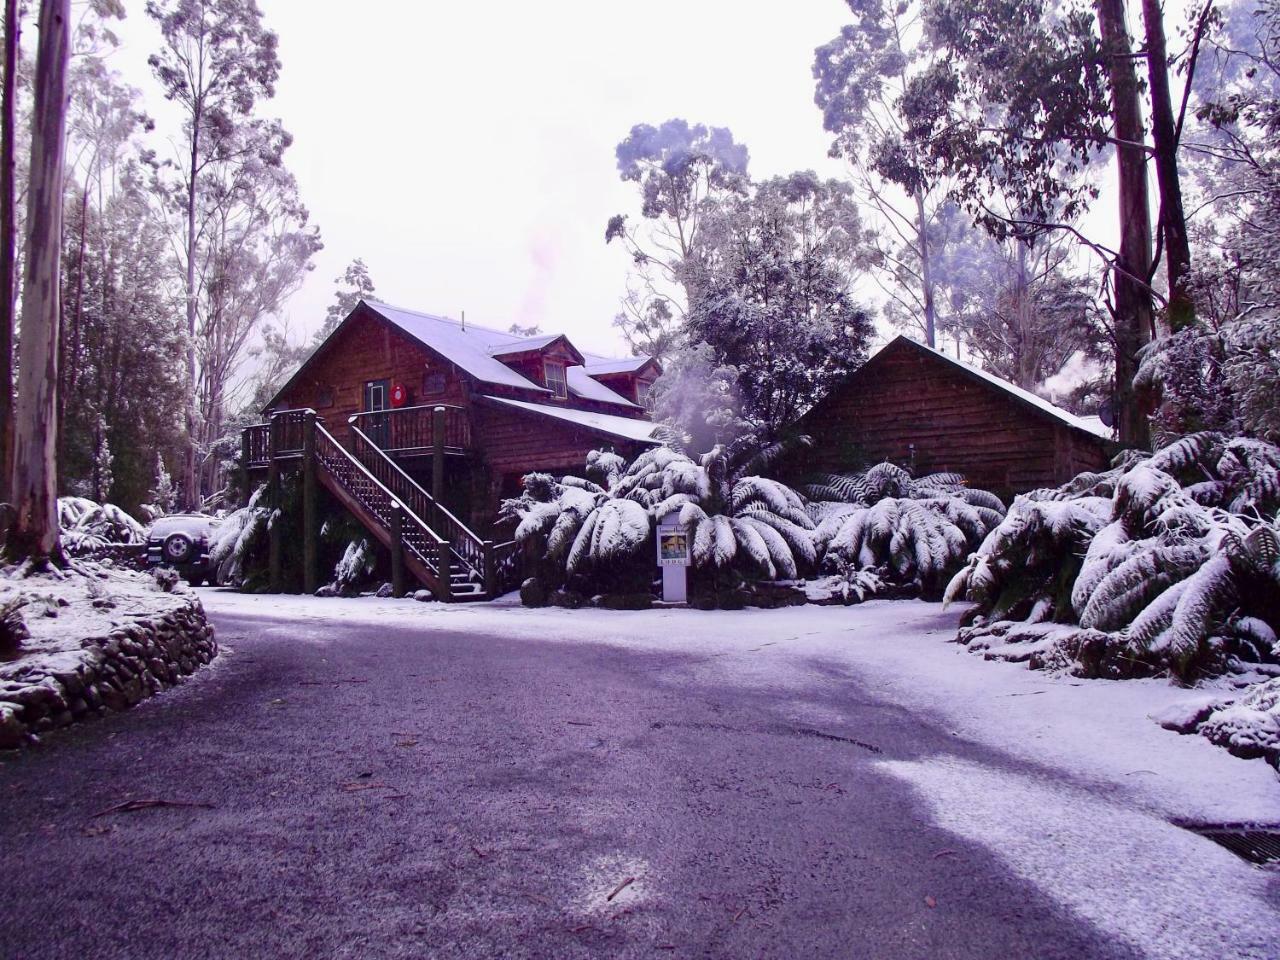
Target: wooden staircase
<point x="425" y="540"/>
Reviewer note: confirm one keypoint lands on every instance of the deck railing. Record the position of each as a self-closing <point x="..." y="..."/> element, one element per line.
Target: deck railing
<point x="256" y="445"/>
<point x="288" y="430"/>
<point x="411" y="430"/>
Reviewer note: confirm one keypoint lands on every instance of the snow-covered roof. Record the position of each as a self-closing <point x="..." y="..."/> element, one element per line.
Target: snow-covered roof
<point x="467" y="346"/>
<point x="476" y="349"/>
<point x="1091" y="425"/>
<point x="581" y="385"/>
<point x="624" y="428"/>
<point x="524" y="344"/>
<point x="596" y="365"/>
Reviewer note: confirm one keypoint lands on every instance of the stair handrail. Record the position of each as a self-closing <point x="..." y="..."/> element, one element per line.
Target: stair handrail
<point x="409" y="514"/>
<point x="474" y="556"/>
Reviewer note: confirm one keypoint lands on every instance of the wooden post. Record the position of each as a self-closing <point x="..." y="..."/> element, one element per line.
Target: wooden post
<point x="310" y="507"/>
<point x="490" y="574"/>
<point x="445" y="567"/>
<point x="397" y="550"/>
<point x="245" y="492"/>
<point x="275" y="530"/>
<point x="437" y="453"/>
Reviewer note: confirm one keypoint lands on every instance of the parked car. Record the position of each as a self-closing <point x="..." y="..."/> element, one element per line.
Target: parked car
<point x="182" y="542"/>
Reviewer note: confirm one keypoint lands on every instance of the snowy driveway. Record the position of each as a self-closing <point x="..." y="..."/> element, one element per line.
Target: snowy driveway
<point x="394" y="779"/>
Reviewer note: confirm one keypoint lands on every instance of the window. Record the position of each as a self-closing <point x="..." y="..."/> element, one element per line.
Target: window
<point x="642" y="392"/>
<point x="433" y="384"/>
<point x="375" y="394"/>
<point x="556" y="383"/>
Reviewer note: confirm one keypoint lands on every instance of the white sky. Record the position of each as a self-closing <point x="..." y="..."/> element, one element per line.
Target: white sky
<point x="465" y="150"/>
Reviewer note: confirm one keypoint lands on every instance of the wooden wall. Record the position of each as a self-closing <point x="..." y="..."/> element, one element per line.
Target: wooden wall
<point x="515" y="442"/>
<point x="508" y="442"/>
<point x="367" y="349"/>
<point x="911" y="407"/>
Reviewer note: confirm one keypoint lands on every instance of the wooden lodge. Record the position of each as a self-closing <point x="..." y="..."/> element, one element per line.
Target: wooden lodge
<point x="917" y="406"/>
<point x="420" y="424"/>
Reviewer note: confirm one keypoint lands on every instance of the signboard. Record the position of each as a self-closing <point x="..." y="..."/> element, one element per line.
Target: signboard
<point x="673" y="547"/>
<point x="674" y="557"/>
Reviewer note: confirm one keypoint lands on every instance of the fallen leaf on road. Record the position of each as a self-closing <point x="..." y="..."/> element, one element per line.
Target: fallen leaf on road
<point x="930" y="902"/>
<point x="129" y="806"/>
<point x="945" y="853"/>
<point x="620" y="887"/>
<point x="407" y="743"/>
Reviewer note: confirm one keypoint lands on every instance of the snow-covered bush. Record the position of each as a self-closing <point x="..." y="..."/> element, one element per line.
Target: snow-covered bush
<point x="915" y="531"/>
<point x="356" y="565"/>
<point x="1249" y="727"/>
<point x="13" y="628"/>
<point x="238" y="543"/>
<point x="598" y="530"/>
<point x="847" y="584"/>
<point x="87" y="527"/>
<point x="1165" y="563"/>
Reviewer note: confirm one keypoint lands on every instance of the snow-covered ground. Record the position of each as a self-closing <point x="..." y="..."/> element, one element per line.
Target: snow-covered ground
<point x="87" y="601"/>
<point x="1084" y="809"/>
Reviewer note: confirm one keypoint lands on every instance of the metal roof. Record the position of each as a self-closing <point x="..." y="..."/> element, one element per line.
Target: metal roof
<point x="602" y="365"/>
<point x="624" y="428"/>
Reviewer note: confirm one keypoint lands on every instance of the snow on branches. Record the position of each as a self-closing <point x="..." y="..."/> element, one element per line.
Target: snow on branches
<point x="88" y="527"/>
<point x="749" y="527"/>
<point x="911" y="530"/>
<point x="1169" y="563"/>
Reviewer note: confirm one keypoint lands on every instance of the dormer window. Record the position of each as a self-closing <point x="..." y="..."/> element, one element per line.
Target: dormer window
<point x="553" y="372"/>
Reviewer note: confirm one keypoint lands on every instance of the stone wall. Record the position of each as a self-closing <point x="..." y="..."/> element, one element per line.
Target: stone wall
<point x="133" y="661"/>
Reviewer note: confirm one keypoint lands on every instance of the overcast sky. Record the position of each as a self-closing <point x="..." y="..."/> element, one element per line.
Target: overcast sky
<point x="465" y="150"/>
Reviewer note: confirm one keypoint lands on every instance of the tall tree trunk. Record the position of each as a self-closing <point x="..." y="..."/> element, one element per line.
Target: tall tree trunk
<point x="926" y="272"/>
<point x="1134" y="312"/>
<point x="1025" y="361"/>
<point x="191" y="475"/>
<point x="8" y="106"/>
<point x="1173" y="220"/>
<point x="34" y="534"/>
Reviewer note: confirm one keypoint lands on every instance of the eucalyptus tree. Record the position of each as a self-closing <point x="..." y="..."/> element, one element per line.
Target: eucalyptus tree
<point x="33" y="535"/>
<point x="774" y="274"/>
<point x="354" y="285"/>
<point x="216" y="61"/>
<point x="860" y="79"/>
<point x="681" y="169"/>
<point x="8" y="233"/>
<point x="1021" y="101"/>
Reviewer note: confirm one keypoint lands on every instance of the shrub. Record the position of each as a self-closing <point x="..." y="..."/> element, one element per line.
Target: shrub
<point x="914" y="531"/>
<point x="1164" y="563"/>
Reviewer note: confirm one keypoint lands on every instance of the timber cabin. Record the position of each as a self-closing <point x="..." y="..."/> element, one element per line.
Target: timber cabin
<point x="419" y="425"/>
<point x="917" y="406"/>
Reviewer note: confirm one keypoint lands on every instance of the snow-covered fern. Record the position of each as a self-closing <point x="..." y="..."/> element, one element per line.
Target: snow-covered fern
<point x="593" y="529"/>
<point x="1177" y="569"/>
<point x="87" y="526"/>
<point x="916" y="530"/>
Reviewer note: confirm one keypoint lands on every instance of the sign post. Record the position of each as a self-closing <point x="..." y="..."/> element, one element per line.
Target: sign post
<point x="673" y="557"/>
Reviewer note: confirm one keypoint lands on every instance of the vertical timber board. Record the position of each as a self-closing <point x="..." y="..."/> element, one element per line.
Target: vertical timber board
<point x="437" y="454"/>
<point x="397" y="551"/>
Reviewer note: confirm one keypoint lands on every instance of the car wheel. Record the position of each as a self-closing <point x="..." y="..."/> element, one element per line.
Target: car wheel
<point x="178" y="548"/>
